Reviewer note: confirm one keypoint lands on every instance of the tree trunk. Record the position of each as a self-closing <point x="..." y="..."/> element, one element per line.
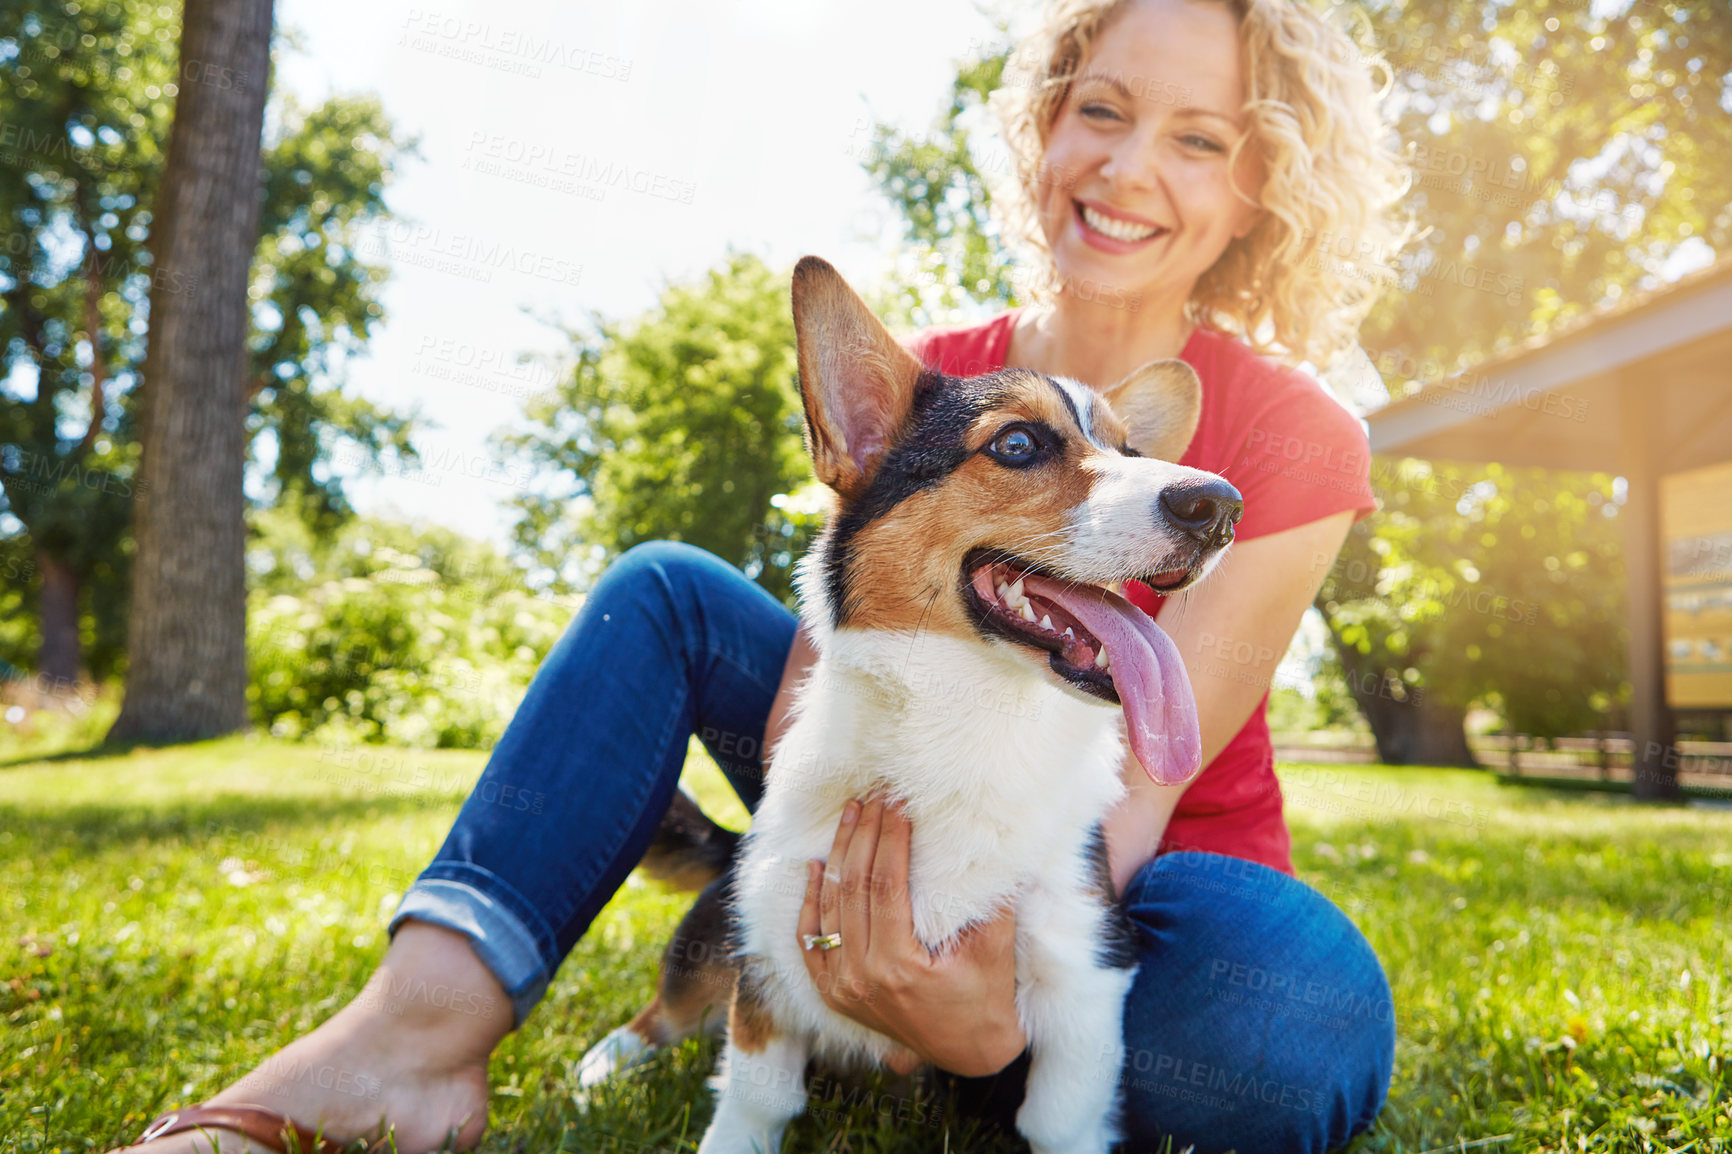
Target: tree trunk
<point x="1413" y="729"/>
<point x="186" y="636"/>
<point x="57" y="659"/>
<point x="1427" y="733"/>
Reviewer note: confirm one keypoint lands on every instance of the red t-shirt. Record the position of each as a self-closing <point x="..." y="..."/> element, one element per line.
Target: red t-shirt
<point x="1297" y="455"/>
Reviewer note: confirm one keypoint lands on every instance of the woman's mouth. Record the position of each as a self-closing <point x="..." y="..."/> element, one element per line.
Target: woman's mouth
<point x="1114" y="234"/>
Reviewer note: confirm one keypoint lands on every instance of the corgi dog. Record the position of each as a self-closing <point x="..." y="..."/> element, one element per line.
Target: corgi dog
<point x="975" y="664"/>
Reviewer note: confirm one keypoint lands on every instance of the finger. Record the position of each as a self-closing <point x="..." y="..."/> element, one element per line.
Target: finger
<point x="890" y="905"/>
<point x="856" y="888"/>
<point x="810" y="924"/>
<point x="830" y="898"/>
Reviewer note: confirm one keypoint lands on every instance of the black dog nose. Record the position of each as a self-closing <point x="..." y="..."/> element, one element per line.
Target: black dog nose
<point x="1207" y="510"/>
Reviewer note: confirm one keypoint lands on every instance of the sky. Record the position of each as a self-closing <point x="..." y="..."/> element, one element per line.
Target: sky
<point x="576" y="158"/>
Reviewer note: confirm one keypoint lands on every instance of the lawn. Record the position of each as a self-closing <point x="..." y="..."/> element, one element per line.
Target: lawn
<point x="1560" y="960"/>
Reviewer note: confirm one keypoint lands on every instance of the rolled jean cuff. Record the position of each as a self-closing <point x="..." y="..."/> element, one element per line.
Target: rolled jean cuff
<point x="502" y="941"/>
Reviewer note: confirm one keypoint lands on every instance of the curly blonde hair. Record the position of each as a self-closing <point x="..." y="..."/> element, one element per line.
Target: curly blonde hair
<point x="1299" y="284"/>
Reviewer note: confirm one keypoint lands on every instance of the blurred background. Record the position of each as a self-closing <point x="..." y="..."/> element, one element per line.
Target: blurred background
<point x="519" y="301"/>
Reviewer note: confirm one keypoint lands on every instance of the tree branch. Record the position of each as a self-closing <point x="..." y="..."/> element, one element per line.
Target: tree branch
<point x="98" y="370"/>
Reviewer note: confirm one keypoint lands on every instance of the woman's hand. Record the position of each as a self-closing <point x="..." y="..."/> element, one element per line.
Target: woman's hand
<point x="956" y="1010"/>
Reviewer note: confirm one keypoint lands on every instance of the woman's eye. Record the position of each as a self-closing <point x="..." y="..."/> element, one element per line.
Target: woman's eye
<point x="1099" y="112"/>
<point x="1015" y="443"/>
<point x="1202" y="143"/>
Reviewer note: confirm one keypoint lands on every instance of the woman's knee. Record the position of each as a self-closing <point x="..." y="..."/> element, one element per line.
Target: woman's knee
<point x="656" y="575"/>
<point x="1260" y="1019"/>
<point x="660" y="558"/>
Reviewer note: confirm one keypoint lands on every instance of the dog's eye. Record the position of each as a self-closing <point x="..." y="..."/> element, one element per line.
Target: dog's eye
<point x="1127" y="451"/>
<point x="1015" y="445"/>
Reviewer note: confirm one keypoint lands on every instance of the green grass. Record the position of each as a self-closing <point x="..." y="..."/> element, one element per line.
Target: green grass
<point x="1560" y="959"/>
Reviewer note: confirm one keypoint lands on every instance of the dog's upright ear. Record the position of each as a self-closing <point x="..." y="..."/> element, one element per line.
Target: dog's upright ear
<point x="856" y="382"/>
<point x="1161" y="403"/>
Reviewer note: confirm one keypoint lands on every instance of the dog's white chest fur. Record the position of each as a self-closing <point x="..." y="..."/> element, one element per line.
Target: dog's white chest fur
<point x="1006" y="778"/>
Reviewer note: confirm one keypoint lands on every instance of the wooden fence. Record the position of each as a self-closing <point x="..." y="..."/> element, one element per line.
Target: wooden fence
<point x="1599" y="757"/>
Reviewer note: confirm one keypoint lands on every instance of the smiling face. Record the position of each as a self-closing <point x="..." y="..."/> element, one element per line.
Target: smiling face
<point x="1138" y="185"/>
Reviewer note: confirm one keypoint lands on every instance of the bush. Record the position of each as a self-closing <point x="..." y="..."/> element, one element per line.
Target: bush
<point x="404" y="636"/>
<point x="33" y="724"/>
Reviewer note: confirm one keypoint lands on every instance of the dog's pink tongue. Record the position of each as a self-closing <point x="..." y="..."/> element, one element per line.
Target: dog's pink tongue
<point x="1155" y="691"/>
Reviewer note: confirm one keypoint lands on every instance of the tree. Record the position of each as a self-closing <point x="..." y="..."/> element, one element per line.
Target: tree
<point x="682" y="424"/>
<point x="81" y="133"/>
<point x="1562" y="155"/>
<point x="1473" y="585"/>
<point x="325" y="174"/>
<point x="85" y="93"/>
<point x="942" y="189"/>
<point x="187" y="632"/>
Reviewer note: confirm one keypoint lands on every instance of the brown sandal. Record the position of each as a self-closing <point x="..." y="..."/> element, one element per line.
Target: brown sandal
<point x="266" y="1127"/>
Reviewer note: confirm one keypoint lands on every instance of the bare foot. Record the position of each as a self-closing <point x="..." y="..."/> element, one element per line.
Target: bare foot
<point x="409" y="1052"/>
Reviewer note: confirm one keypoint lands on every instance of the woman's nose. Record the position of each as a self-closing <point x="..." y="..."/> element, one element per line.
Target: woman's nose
<point x="1134" y="162"/>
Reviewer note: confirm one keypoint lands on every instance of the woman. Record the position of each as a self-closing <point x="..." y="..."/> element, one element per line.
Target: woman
<point x="1178" y="162"/>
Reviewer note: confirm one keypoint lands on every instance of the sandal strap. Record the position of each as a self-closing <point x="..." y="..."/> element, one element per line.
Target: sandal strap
<point x="266" y="1127"/>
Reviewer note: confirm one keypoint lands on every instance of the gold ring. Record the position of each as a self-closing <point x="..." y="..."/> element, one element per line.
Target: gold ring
<point x="821" y="941"/>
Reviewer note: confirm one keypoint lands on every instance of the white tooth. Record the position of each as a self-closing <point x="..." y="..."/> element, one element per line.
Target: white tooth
<point x="1101" y="658"/>
<point x="1016" y="591"/>
<point x="1027" y="611"/>
<point x="1046" y="622"/>
<point x="1001" y="590"/>
<point x="1068" y="633"/>
<point x="1117" y="229"/>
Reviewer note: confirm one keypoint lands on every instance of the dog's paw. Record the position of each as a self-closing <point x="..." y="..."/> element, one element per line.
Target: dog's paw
<point x="1049" y="1132"/>
<point x="724" y="1139"/>
<point x="619" y="1051"/>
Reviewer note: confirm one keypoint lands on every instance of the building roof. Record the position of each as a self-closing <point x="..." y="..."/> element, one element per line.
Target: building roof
<point x="1556" y="400"/>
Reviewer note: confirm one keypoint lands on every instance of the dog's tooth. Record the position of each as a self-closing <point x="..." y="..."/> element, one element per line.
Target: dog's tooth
<point x="1016" y="591"/>
<point x="1101" y="658"/>
<point x="1027" y="611"/>
<point x="1068" y="633"/>
<point x="1046" y="622"/>
<point x="1002" y="590"/>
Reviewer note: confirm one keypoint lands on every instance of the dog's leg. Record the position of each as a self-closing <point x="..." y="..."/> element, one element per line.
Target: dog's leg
<point x="697" y="976"/>
<point x="1078" y="973"/>
<point x="761" y="1086"/>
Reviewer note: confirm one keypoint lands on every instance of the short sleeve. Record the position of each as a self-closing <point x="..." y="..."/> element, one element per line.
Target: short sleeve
<point x="965" y="351"/>
<point x="1304" y="457"/>
<point x="920" y="345"/>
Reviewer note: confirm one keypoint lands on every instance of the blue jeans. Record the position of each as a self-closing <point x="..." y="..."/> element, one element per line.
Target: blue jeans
<point x="1260" y="1018"/>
